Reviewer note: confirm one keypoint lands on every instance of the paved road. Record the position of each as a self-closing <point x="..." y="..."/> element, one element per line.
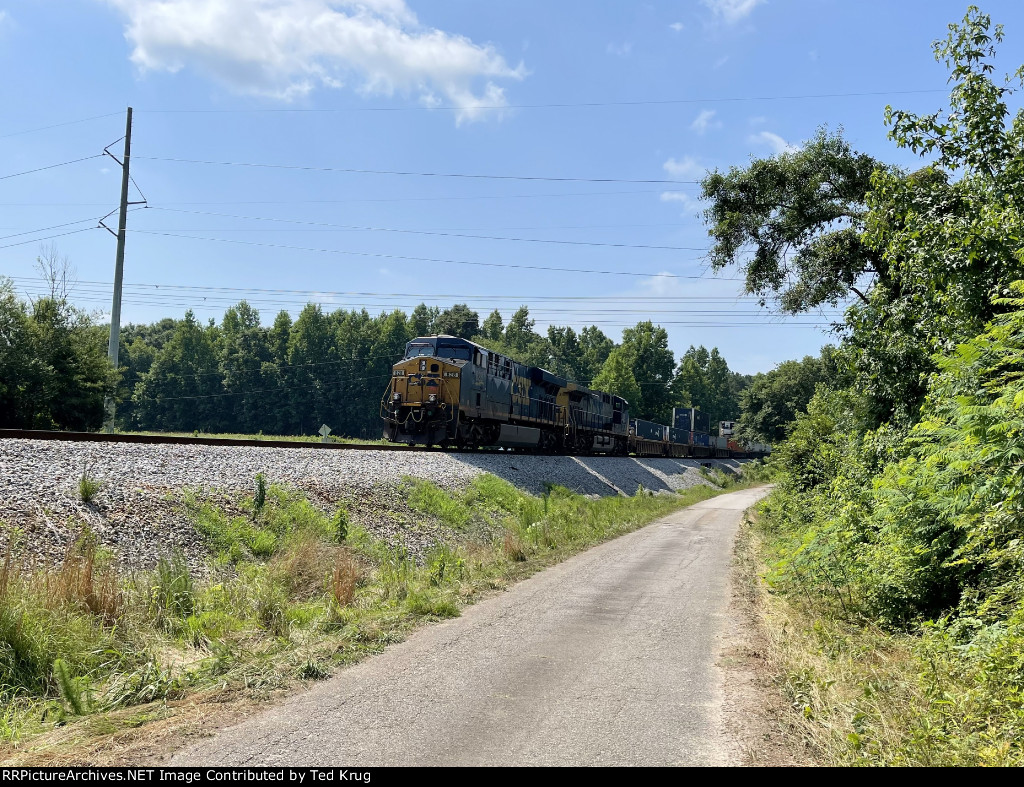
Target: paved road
<point x="605" y="659"/>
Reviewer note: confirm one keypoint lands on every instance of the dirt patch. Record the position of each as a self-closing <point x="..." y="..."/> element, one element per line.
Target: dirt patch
<point x="755" y="713"/>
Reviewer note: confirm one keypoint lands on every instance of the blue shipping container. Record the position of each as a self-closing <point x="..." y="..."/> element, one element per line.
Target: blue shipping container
<point x="648" y="430"/>
<point x="701" y="421"/>
<point x="678" y="436"/>
<point x="681" y="418"/>
<point x="701" y="438"/>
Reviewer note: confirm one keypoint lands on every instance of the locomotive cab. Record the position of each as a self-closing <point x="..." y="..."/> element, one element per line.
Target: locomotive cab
<point x="421" y="403"/>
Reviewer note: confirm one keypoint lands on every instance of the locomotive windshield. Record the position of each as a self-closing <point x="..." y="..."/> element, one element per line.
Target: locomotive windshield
<point x="460" y="351"/>
<point x="417" y="350"/>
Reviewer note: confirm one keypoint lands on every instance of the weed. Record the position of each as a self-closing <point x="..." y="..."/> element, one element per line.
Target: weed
<point x="339" y="523"/>
<point x="427" y="498"/>
<point x="314" y="670"/>
<point x="81" y="582"/>
<point x="172" y="594"/>
<point x="260" y="498"/>
<point x="513" y="547"/>
<point x="428" y="602"/>
<point x="88" y="487"/>
<point x="302" y="565"/>
<point x="445" y="565"/>
<point x="146" y="683"/>
<point x="344" y="579"/>
<point x="269" y="603"/>
<point x="74" y="690"/>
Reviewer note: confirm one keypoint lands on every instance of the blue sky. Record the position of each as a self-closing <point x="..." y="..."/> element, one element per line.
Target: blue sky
<point x="453" y="87"/>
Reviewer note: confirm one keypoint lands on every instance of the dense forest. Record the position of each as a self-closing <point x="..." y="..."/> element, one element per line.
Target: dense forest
<point x="291" y="376"/>
<point x="895" y="528"/>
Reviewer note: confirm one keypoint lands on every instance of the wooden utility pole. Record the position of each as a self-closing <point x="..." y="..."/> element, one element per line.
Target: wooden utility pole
<point x="115" y="310"/>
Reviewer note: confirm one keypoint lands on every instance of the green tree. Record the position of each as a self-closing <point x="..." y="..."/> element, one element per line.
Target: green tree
<point x="493" y="328"/>
<point x="421" y="321"/>
<point x="244" y="349"/>
<point x="459" y="320"/>
<point x="653" y="363"/>
<point x="595" y="348"/>
<point x="183" y="390"/>
<point x="616" y="377"/>
<point x="802" y="213"/>
<point x="773" y="400"/>
<point x="519" y="333"/>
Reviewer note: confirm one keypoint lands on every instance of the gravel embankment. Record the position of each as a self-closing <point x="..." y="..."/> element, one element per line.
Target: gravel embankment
<point x="137" y="515"/>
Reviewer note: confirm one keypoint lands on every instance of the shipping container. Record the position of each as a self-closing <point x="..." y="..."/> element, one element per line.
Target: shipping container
<point x="678" y="436"/>
<point x="727" y="428"/>
<point x="701" y="421"/>
<point x="647" y="430"/>
<point x="681" y="418"/>
<point x="700" y="438"/>
<point x="721" y="442"/>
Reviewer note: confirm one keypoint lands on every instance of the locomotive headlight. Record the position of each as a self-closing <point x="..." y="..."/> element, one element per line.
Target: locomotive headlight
<point x="432" y="398"/>
<point x="396" y="397"/>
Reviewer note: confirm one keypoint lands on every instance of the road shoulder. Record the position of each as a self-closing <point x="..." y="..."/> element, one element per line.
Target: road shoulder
<point x="755" y="713"/>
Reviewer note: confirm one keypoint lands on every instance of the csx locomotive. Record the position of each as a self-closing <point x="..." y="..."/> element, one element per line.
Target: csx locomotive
<point x="448" y="391"/>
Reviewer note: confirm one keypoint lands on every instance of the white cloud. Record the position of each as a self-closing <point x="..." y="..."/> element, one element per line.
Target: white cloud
<point x="732" y="11"/>
<point x="705" y="120"/>
<point x="686" y="167"/>
<point x="757" y="120"/>
<point x="287" y="48"/>
<point x="620" y="50"/>
<point x="662" y="284"/>
<point x="677" y="27"/>
<point x="774" y="141"/>
<point x="690" y="204"/>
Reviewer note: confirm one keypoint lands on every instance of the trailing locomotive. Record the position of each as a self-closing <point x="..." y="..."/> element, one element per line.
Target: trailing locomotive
<point x="448" y="391"/>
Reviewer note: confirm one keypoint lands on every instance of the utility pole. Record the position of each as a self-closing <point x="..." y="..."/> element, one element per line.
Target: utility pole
<point x="115" y="310"/>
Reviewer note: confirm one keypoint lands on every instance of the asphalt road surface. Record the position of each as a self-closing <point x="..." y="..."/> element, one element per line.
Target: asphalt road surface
<point x="605" y="659"/>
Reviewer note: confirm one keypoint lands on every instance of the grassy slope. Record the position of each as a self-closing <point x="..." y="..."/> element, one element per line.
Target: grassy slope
<point x="87" y="655"/>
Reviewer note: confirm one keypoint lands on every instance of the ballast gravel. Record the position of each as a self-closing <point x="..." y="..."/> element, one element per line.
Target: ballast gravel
<point x="137" y="512"/>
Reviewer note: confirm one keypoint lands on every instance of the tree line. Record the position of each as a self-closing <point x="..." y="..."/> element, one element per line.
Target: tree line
<point x="289" y="377"/>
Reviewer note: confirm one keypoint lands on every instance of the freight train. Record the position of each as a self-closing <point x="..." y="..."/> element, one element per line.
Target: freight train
<point x="448" y="391"/>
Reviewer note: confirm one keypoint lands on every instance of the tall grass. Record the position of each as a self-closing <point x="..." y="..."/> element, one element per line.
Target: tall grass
<point x="290" y="592"/>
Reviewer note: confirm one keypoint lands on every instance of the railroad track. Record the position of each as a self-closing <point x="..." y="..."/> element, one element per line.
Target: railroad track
<point x="153" y="439"/>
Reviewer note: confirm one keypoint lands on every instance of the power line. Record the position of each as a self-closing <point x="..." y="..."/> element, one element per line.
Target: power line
<point x="47" y="229"/>
<point x="387" y="229"/>
<point x="49" y="237"/>
<point x="361" y="199"/>
<point x="447" y="296"/>
<point x="435" y="233"/>
<point x="351" y="170"/>
<point x="279" y="389"/>
<point x="381" y="255"/>
<point x="552" y="105"/>
<point x="51" y="166"/>
<point x="58" y="125"/>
